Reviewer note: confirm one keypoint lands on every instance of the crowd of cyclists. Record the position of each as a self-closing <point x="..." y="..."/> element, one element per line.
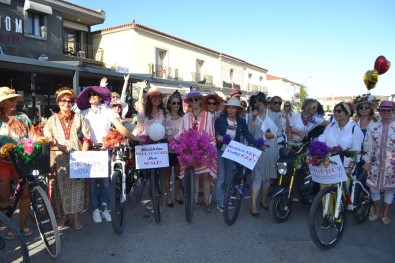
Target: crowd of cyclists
<point x="364" y="125"/>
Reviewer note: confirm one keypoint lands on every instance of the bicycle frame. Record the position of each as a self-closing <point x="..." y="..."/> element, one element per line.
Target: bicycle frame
<point x="355" y="181"/>
<point x="119" y="165"/>
<point x="339" y="193"/>
<point x="18" y="192"/>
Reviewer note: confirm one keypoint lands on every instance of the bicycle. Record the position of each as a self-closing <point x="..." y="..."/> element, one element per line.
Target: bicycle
<point x="13" y="250"/>
<point x="44" y="215"/>
<point x="189" y="192"/>
<point x="234" y="194"/>
<point x="327" y="217"/>
<point x="119" y="185"/>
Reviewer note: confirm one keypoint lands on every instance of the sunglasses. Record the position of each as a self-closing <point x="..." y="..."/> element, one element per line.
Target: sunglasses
<point x="385" y="110"/>
<point x="277" y="102"/>
<point x="193" y="99"/>
<point x="176" y="103"/>
<point x="212" y="103"/>
<point x="92" y="94"/>
<point x="287" y="106"/>
<point x="337" y="111"/>
<point x="364" y="108"/>
<point x="115" y="97"/>
<point x="67" y="101"/>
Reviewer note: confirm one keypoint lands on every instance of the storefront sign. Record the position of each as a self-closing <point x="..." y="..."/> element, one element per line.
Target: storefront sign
<point x="89" y="164"/>
<point x="242" y="154"/>
<point x="152" y="156"/>
<point x="332" y="174"/>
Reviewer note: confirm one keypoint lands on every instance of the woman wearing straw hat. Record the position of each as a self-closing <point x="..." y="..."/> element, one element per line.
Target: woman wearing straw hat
<point x="92" y="102"/>
<point x="229" y="123"/>
<point x="69" y="196"/>
<point x="13" y="128"/>
<point x="213" y="104"/>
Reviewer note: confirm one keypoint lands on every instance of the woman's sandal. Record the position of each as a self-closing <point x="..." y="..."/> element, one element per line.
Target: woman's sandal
<point x="9" y="235"/>
<point x="385" y="220"/>
<point x="26" y="232"/>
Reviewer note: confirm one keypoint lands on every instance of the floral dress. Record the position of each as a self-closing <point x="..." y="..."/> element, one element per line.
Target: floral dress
<point x="204" y="123"/>
<point x="379" y="145"/>
<point x="69" y="196"/>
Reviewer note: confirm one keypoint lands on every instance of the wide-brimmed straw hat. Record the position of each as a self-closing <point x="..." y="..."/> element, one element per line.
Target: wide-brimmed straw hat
<point x="124" y="106"/>
<point x="233" y="102"/>
<point x="365" y="99"/>
<point x="83" y="98"/>
<point x="213" y="96"/>
<point x="192" y="94"/>
<point x="154" y="91"/>
<point x="7" y="93"/>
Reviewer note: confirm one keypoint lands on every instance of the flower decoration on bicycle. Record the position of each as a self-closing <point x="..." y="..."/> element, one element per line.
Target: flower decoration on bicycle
<point x="194" y="148"/>
<point x="113" y="139"/>
<point x="6" y="144"/>
<point x="28" y="150"/>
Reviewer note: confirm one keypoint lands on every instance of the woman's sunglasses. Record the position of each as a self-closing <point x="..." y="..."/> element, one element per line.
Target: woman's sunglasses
<point x="337" y="111"/>
<point x="287" y="106"/>
<point x="176" y="103"/>
<point x="92" y="94"/>
<point x="277" y="102"/>
<point x="364" y="108"/>
<point x="67" y="101"/>
<point x="212" y="103"/>
<point x="193" y="99"/>
<point x="385" y="110"/>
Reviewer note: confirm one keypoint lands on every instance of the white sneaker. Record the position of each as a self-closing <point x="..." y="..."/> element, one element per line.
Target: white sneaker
<point x="106" y="215"/>
<point x="96" y="216"/>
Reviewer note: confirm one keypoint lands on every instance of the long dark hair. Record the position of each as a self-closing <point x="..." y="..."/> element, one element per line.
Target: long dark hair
<point x="148" y="108"/>
<point x="176" y="94"/>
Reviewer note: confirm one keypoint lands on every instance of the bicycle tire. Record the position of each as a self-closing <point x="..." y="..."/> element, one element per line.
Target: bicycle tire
<point x="362" y="203"/>
<point x="233" y="196"/>
<point x="13" y="250"/>
<point x="154" y="194"/>
<point x="117" y="206"/>
<point x="46" y="222"/>
<point x="279" y="209"/>
<point x="189" y="193"/>
<point x="31" y="211"/>
<point x="326" y="238"/>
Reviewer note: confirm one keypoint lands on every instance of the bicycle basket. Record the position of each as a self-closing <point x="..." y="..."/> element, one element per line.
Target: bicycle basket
<point x="41" y="162"/>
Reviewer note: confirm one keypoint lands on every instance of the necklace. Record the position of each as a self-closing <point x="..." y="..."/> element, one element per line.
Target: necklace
<point x="196" y="116"/>
<point x="175" y="117"/>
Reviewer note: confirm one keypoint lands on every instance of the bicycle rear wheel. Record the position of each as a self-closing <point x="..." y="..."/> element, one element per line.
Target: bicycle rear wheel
<point x="233" y="198"/>
<point x="117" y="205"/>
<point x="46" y="221"/>
<point x="12" y="250"/>
<point x="325" y="230"/>
<point x="362" y="203"/>
<point x="189" y="192"/>
<point x="153" y="177"/>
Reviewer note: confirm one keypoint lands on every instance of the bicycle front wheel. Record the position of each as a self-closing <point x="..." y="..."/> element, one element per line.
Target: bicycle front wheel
<point x="153" y="177"/>
<point x="189" y="192"/>
<point x="46" y="221"/>
<point x="362" y="203"/>
<point x="117" y="205"/>
<point x="12" y="250"/>
<point x="233" y="198"/>
<point x="326" y="230"/>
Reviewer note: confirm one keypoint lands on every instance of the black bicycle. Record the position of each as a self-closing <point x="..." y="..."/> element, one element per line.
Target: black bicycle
<point x="189" y="192"/>
<point x="45" y="217"/>
<point x="12" y="250"/>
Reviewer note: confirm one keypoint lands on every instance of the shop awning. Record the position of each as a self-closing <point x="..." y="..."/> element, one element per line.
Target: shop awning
<point x="37" y="7"/>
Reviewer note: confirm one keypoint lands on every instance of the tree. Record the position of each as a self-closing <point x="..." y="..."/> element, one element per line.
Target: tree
<point x="302" y="95"/>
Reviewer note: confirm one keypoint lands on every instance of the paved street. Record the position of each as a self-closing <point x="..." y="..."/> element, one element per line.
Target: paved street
<point x="209" y="239"/>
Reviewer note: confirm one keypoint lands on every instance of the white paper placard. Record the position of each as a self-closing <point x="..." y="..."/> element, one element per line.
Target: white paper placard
<point x="152" y="156"/>
<point x="242" y="154"/>
<point x="334" y="173"/>
<point x="89" y="164"/>
<point x="268" y="124"/>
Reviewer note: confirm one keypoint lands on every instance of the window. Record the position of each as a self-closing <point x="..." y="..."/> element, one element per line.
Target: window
<point x="36" y="24"/>
<point x="199" y="67"/>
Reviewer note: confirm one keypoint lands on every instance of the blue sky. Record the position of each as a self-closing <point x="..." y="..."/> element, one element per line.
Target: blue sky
<point x="327" y="45"/>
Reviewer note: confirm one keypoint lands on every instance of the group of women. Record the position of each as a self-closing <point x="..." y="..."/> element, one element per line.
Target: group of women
<point x="263" y="118"/>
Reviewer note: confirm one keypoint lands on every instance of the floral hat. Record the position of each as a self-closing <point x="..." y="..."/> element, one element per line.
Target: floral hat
<point x="124" y="106"/>
<point x="192" y="94"/>
<point x="365" y="98"/>
<point x="7" y="93"/>
<point x="83" y="98"/>
<point x="154" y="91"/>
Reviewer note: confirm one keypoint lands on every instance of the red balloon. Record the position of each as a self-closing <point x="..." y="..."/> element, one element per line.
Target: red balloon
<point x="382" y="65"/>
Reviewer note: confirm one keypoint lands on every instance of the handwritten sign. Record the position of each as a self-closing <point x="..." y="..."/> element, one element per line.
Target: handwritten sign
<point x="89" y="164"/>
<point x="152" y="156"/>
<point x="242" y="154"/>
<point x="332" y="174"/>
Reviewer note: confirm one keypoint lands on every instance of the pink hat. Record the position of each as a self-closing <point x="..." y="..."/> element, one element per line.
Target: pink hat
<point x="235" y="91"/>
<point x="386" y="105"/>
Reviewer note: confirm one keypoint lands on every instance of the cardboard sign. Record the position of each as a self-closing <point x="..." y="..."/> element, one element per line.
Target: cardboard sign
<point x="152" y="156"/>
<point x="334" y="173"/>
<point x="89" y="164"/>
<point x="242" y="154"/>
